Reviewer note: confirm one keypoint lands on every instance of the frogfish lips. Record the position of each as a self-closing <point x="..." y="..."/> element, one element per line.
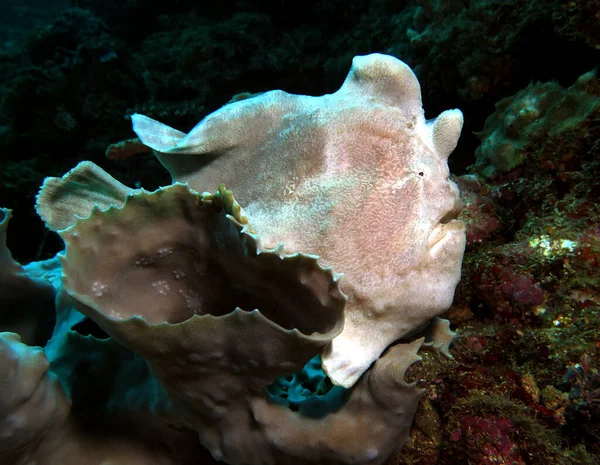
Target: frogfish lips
<point x="448" y="229"/>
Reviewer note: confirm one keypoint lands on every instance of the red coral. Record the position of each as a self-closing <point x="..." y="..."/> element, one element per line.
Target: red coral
<point x="487" y="440"/>
<point x="508" y="290"/>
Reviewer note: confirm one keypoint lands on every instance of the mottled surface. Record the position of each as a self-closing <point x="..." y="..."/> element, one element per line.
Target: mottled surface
<point x="358" y="177"/>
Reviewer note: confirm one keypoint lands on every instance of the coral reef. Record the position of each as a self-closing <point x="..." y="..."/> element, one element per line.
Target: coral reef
<point x="534" y="115"/>
<point x="523" y="383"/>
